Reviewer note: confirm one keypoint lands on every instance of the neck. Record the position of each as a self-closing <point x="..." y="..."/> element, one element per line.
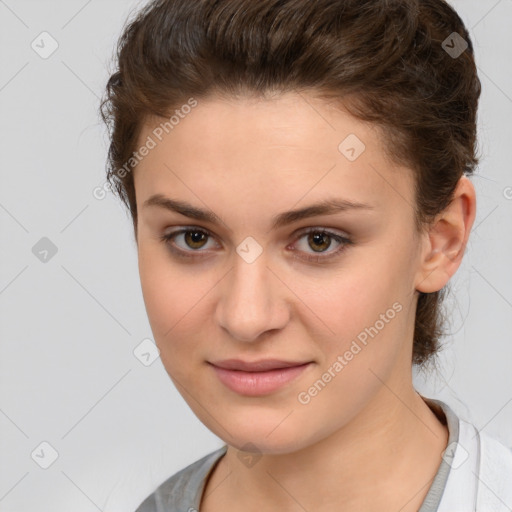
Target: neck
<point x="385" y="459"/>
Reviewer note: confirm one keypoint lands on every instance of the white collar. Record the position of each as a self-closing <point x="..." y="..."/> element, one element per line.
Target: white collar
<point x="480" y="478"/>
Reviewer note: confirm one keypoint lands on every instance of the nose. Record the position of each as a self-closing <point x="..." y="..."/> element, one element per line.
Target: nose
<point x="252" y="301"/>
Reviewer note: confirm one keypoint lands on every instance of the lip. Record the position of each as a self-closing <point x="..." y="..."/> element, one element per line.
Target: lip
<point x="256" y="366"/>
<point x="259" y="377"/>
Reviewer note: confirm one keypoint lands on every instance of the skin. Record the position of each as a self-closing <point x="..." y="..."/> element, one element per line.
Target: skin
<point x="248" y="160"/>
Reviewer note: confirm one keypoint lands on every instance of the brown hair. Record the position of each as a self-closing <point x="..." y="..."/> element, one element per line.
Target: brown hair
<point x="383" y="60"/>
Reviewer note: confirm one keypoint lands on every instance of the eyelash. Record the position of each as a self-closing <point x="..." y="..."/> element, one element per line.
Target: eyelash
<point x="169" y="237"/>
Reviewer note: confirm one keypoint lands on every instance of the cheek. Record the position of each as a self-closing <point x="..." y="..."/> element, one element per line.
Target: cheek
<point x="165" y="292"/>
<point x="159" y="294"/>
<point x="368" y="320"/>
<point x="361" y="315"/>
<point x="175" y="305"/>
<point x="347" y="301"/>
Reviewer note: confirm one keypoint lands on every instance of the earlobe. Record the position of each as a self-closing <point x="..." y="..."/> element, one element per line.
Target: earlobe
<point x="446" y="240"/>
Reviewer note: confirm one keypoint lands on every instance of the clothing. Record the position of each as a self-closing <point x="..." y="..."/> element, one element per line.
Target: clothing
<point x="475" y="474"/>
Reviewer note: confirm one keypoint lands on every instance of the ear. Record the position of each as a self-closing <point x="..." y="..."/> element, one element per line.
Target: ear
<point x="445" y="242"/>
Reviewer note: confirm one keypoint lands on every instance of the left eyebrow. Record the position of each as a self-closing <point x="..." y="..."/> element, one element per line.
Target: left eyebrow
<point x="325" y="207"/>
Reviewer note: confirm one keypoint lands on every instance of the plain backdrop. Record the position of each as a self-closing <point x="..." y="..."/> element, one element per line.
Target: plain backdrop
<point x="72" y="311"/>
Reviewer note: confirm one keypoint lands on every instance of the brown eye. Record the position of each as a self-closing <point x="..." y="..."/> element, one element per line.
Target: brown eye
<point x="320" y="240"/>
<point x="195" y="239"/>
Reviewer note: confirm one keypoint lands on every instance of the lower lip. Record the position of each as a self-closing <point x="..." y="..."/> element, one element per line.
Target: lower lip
<point x="258" y="383"/>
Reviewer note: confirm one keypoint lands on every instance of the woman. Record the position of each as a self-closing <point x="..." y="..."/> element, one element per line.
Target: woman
<point x="297" y="176"/>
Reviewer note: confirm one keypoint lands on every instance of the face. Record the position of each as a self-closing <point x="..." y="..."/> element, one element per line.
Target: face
<point x="333" y="289"/>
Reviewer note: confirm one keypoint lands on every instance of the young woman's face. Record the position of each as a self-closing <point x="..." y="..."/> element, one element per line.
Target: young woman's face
<point x="252" y="284"/>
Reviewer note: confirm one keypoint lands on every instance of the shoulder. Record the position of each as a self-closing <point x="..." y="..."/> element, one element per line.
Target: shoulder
<point x="476" y="467"/>
<point x="182" y="491"/>
<point x="492" y="453"/>
<point x="495" y="473"/>
<point x="480" y="473"/>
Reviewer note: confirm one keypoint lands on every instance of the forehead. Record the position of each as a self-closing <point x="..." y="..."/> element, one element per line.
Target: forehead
<point x="273" y="151"/>
<point x="295" y="120"/>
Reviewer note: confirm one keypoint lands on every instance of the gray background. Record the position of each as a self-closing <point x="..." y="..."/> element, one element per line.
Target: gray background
<point x="70" y="324"/>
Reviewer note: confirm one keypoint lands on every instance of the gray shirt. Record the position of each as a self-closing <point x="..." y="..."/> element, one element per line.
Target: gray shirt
<point x="183" y="491"/>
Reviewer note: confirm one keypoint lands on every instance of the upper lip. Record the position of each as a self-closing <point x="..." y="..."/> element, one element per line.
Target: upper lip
<point x="255" y="366"/>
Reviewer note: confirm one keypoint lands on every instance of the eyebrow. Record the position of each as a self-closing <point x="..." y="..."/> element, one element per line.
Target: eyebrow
<point x="325" y="207"/>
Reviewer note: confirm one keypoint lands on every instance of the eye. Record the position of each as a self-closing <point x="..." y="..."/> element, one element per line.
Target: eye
<point x="319" y="239"/>
<point x="194" y="238"/>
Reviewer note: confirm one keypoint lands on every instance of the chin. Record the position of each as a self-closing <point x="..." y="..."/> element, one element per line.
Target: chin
<point x="257" y="436"/>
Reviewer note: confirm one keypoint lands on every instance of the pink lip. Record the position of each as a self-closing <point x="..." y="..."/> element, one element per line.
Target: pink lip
<point x="256" y="366"/>
<point x="257" y="378"/>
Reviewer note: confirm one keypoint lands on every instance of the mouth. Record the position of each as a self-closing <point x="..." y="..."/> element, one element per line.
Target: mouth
<point x="259" y="377"/>
<point x="256" y="366"/>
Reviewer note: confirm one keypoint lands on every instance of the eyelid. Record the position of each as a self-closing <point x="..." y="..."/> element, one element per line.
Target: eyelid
<point x="167" y="239"/>
<point x="343" y="239"/>
<point x="321" y="229"/>
<point x="339" y="236"/>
